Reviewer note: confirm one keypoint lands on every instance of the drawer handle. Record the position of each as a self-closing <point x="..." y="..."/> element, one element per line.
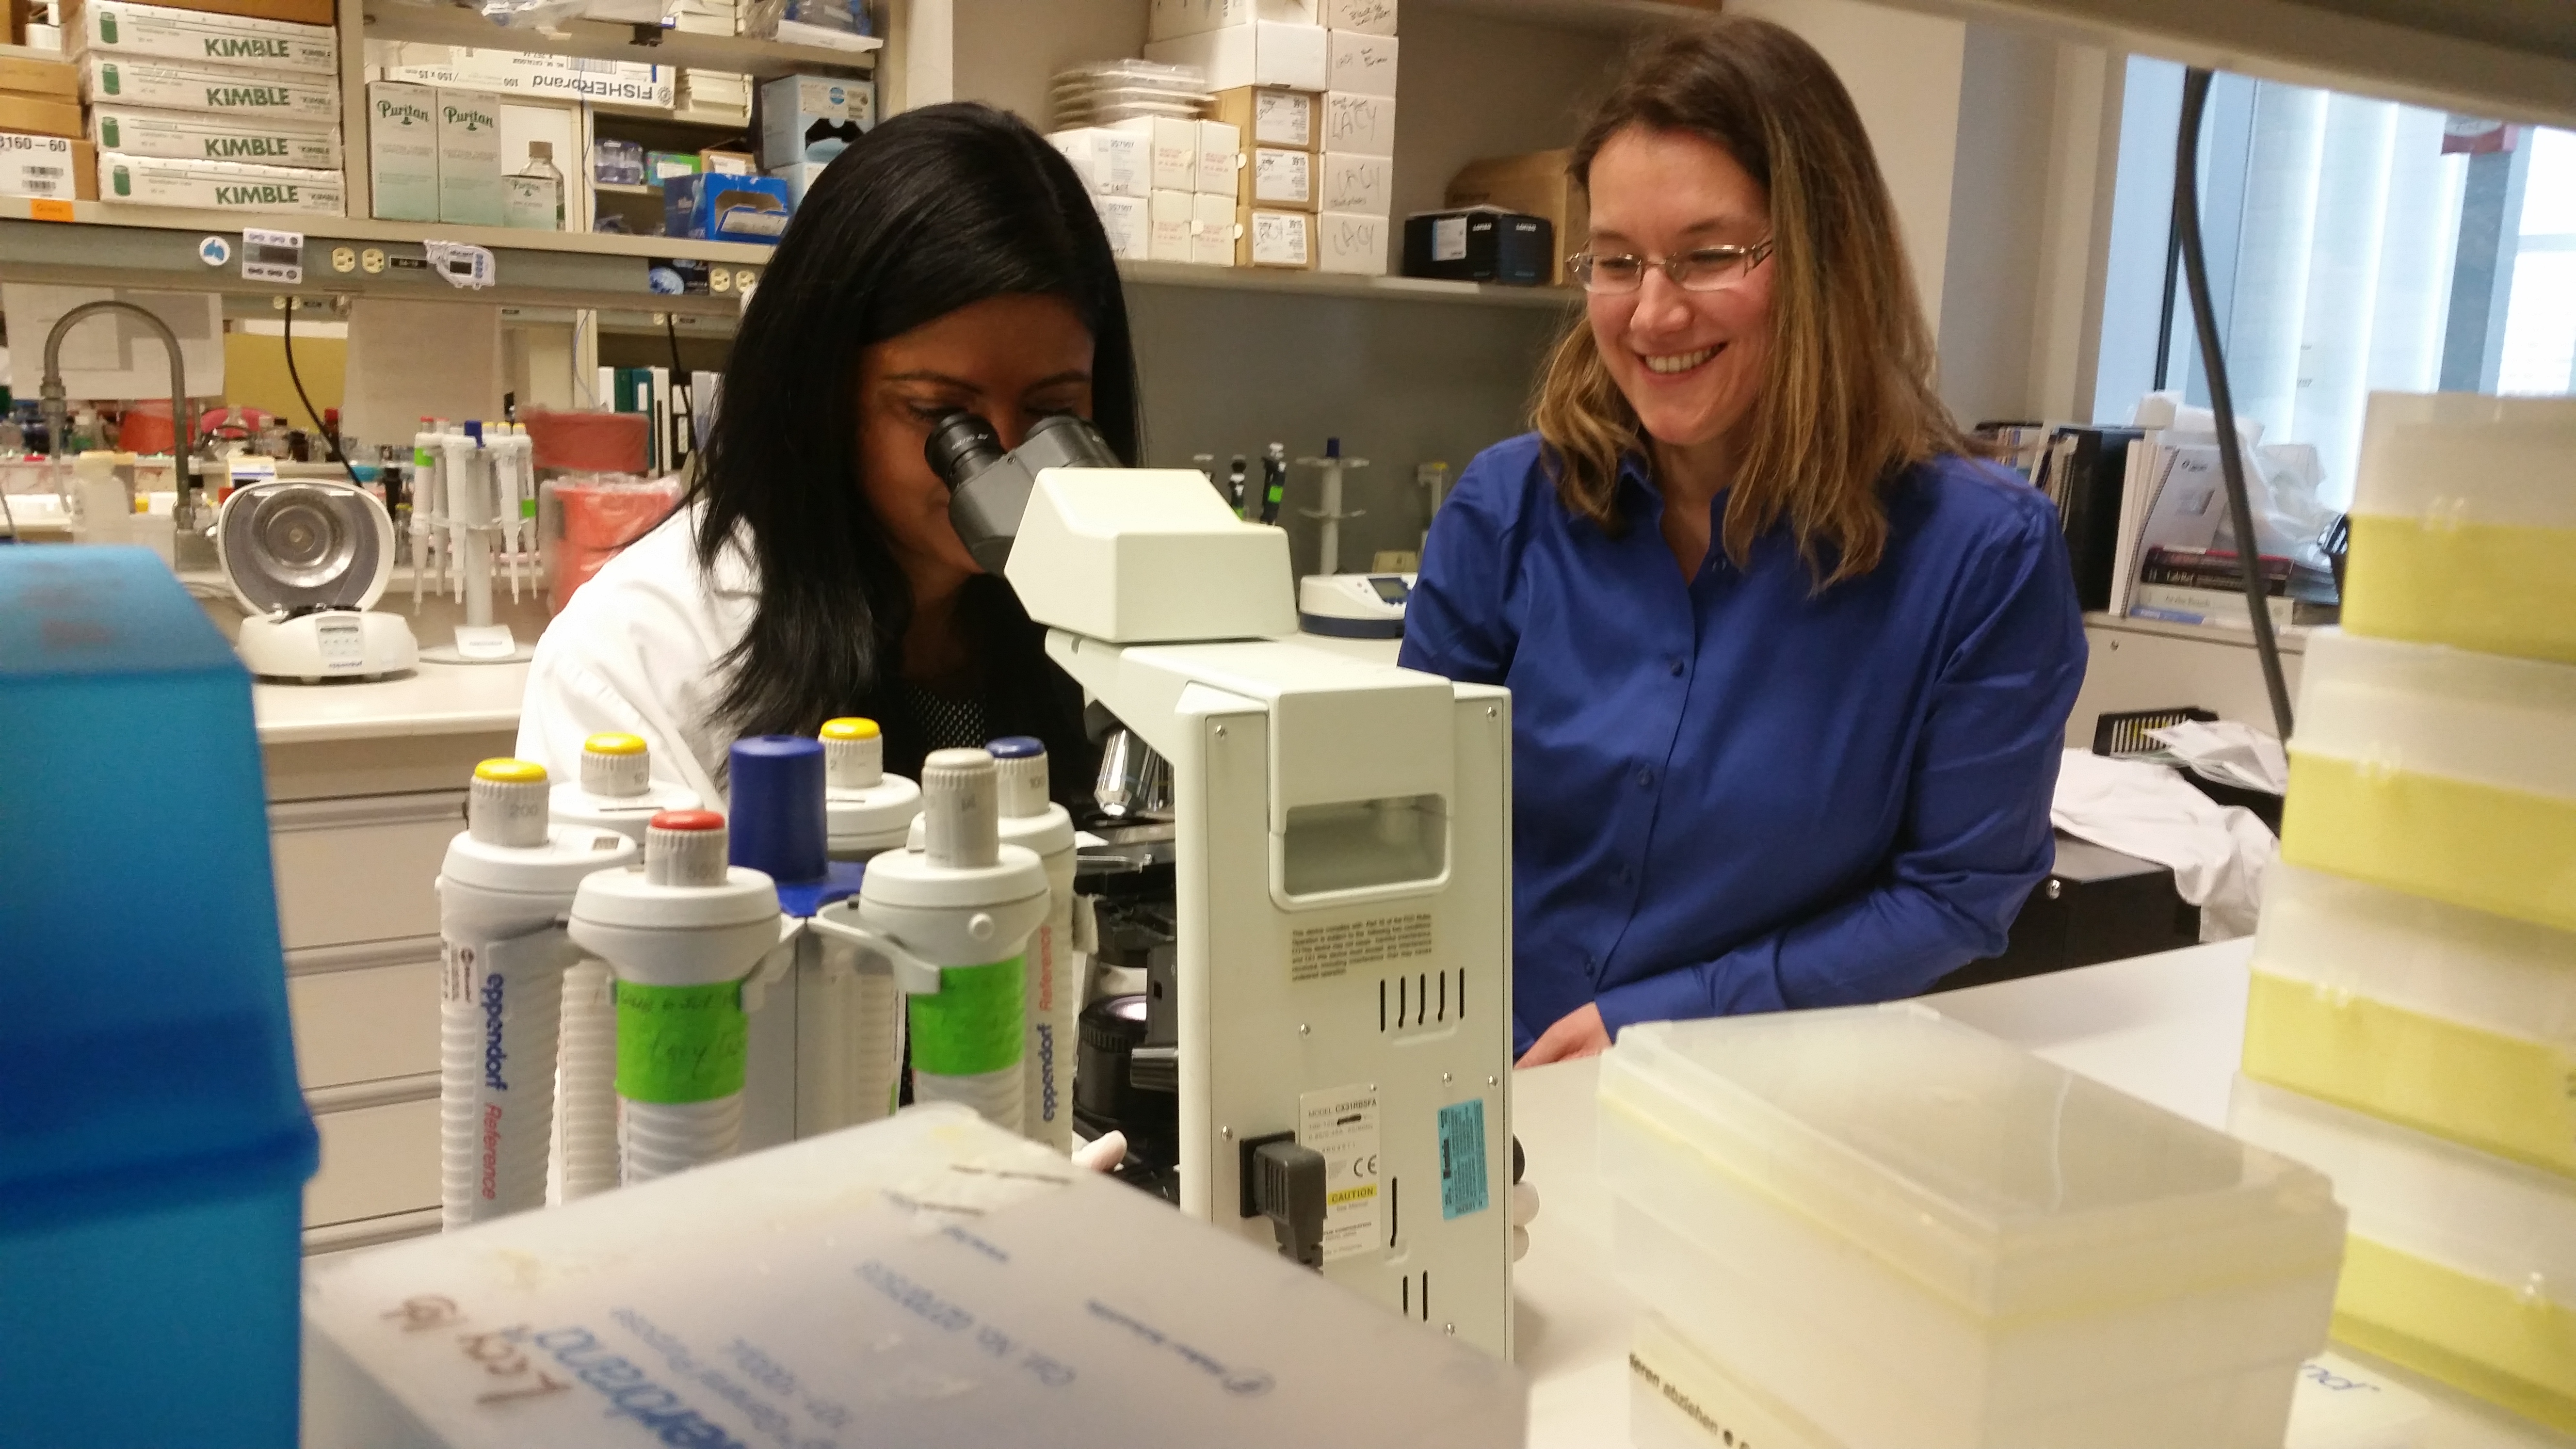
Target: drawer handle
<point x="364" y="956"/>
<point x="382" y="1092"/>
<point x="362" y="810"/>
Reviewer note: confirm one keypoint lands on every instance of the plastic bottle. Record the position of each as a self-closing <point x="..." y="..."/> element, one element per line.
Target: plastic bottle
<point x="502" y="894"/>
<point x="856" y="1066"/>
<point x="1031" y="819"/>
<point x="533" y="196"/>
<point x="616" y="792"/>
<point x="681" y="932"/>
<point x="954" y="920"/>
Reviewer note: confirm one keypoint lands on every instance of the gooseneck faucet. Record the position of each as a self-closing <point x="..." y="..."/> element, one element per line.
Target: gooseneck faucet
<point x="56" y="406"/>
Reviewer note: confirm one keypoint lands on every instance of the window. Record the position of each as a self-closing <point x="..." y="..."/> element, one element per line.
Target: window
<point x="2354" y="246"/>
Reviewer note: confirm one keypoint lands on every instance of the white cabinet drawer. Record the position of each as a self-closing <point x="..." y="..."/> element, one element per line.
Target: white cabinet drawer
<point x="360" y="869"/>
<point x="363" y="1013"/>
<point x="375" y="1161"/>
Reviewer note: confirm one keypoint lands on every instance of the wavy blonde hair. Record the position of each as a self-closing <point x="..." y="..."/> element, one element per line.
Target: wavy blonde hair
<point x="1849" y="401"/>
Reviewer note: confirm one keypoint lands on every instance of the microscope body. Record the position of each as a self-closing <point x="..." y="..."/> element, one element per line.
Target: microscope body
<point x="1343" y="900"/>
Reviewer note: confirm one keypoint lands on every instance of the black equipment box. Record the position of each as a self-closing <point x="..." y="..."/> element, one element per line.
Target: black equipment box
<point x="1480" y="244"/>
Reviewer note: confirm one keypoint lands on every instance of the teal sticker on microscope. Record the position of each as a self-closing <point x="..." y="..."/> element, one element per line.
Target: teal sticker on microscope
<point x="1462" y="1160"/>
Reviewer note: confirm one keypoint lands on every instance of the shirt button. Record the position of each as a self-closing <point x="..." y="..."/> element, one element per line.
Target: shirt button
<point x="1677" y="669"/>
<point x="1646" y="779"/>
<point x="1623" y="875"/>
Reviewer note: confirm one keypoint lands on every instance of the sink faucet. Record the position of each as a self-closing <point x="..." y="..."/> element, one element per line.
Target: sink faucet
<point x="57" y="410"/>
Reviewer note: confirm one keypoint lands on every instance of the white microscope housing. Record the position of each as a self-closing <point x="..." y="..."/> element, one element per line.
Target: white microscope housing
<point x="1344" y="885"/>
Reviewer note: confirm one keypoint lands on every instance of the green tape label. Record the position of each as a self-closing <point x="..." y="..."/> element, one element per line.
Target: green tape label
<point x="976" y="1022"/>
<point x="680" y="1043"/>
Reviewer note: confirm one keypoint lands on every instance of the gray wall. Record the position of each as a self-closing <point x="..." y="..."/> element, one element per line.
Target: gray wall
<point x="1998" y="212"/>
<point x="1400" y="383"/>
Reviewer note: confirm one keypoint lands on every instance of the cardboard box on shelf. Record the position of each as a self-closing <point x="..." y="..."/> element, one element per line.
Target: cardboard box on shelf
<point x="1362" y="184"/>
<point x="519" y="72"/>
<point x="1170" y="19"/>
<point x="1171" y="214"/>
<point x="1110" y="162"/>
<point x="1274" y="239"/>
<point x="170" y="85"/>
<point x="1267" y="116"/>
<point x="267" y="141"/>
<point x="812" y="118"/>
<point x="1356" y="125"/>
<point x="1369" y="17"/>
<point x="726" y="208"/>
<point x="300" y="12"/>
<point x="1212" y="229"/>
<point x="40" y="116"/>
<point x="469" y="158"/>
<point x="1351" y="242"/>
<point x="49" y="166"/>
<point x="1274" y="177"/>
<point x="1220" y="152"/>
<point x="1263" y="53"/>
<point x="1359" y="64"/>
<point x="1535" y="183"/>
<point x="1171" y="151"/>
<point x="219" y="185"/>
<point x="49" y="79"/>
<point x="121" y="27"/>
<point x="726" y="163"/>
<point x="1129" y="221"/>
<point x="402" y="151"/>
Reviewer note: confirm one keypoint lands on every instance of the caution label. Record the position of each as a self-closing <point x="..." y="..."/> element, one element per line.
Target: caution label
<point x="1341" y="1123"/>
<point x="1320" y="953"/>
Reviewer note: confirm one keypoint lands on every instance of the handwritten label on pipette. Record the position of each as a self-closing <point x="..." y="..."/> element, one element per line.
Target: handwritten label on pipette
<point x="680" y="1043"/>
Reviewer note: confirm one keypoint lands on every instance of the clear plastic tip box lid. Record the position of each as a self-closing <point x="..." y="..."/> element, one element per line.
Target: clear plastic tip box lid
<point x="2002" y="1182"/>
<point x="925" y="1281"/>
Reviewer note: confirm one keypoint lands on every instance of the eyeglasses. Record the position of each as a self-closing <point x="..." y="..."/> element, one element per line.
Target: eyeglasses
<point x="1704" y="269"/>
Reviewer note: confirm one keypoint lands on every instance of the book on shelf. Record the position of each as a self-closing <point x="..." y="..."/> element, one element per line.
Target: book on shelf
<point x="2223" y="607"/>
<point x="2080" y="470"/>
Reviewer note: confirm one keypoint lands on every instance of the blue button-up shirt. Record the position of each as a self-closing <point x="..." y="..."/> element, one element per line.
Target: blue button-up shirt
<point x="1732" y="793"/>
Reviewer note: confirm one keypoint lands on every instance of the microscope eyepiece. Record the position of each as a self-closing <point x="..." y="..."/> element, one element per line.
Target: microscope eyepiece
<point x="961" y="446"/>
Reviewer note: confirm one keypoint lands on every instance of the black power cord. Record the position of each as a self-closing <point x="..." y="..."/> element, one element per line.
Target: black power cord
<point x="330" y="439"/>
<point x="2231" y="455"/>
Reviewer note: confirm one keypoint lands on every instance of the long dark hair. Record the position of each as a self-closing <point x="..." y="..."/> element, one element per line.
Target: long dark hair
<point x="931" y="211"/>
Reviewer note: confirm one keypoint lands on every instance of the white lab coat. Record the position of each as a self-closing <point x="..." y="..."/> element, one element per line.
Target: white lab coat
<point x="638" y="650"/>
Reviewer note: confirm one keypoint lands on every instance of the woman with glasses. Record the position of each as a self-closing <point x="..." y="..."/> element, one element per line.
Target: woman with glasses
<point x="949" y="260"/>
<point x="1789" y="667"/>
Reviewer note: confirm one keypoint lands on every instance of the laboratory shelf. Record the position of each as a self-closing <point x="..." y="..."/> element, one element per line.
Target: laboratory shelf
<point x="1335" y="284"/>
<point x="597" y="40"/>
<point x="114" y="244"/>
<point x="1597" y="15"/>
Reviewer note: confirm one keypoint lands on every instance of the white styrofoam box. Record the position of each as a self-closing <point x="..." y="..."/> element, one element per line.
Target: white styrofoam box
<point x="793" y="107"/>
<point x="927" y="1279"/>
<point x="799" y="178"/>
<point x="1361" y="65"/>
<point x="183" y="86"/>
<point x="2462" y="1266"/>
<point x="2462" y="508"/>
<point x="1110" y="162"/>
<point x="1274" y="239"/>
<point x="2437" y="772"/>
<point x="1172" y="214"/>
<point x="609" y="82"/>
<point x="1220" y="152"/>
<point x="219" y="185"/>
<point x="124" y="28"/>
<point x="1359" y="125"/>
<point x="1212" y="228"/>
<point x="2445" y="1020"/>
<point x="268" y="141"/>
<point x="1171" y="151"/>
<point x="1910" y="1232"/>
<point x="1263" y="53"/>
<point x="1130" y="224"/>
<point x="1277" y="176"/>
<point x="38" y="166"/>
<point x="1364" y="184"/>
<point x="402" y="151"/>
<point x="1351" y="241"/>
<point x="2342" y="1405"/>
<point x="1369" y="17"/>
<point x="1169" y="19"/>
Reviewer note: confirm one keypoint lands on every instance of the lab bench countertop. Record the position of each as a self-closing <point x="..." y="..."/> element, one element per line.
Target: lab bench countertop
<point x="2165" y="1028"/>
<point x="433" y="699"/>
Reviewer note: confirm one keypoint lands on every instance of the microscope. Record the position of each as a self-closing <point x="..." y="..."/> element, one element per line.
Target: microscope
<point x="1325" y="1028"/>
